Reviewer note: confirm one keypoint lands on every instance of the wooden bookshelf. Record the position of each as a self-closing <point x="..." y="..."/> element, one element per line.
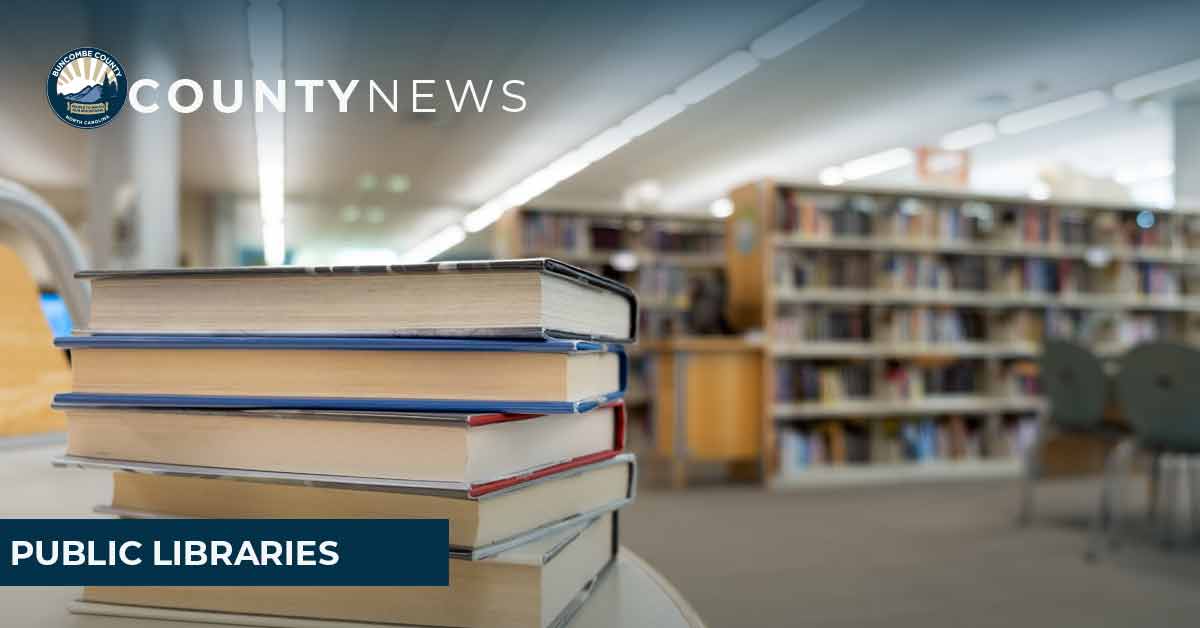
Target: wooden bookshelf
<point x="655" y="253"/>
<point x="902" y="326"/>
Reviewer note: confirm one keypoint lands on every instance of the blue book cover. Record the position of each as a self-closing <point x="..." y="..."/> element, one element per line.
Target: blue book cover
<point x="327" y="343"/>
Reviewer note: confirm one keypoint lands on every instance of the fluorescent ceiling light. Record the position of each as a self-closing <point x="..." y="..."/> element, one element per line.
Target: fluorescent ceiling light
<point x="878" y="163"/>
<point x="773" y="43"/>
<point x="603" y="144"/>
<point x="479" y="219"/>
<point x="624" y="261"/>
<point x="973" y="135"/>
<point x="435" y="245"/>
<point x="657" y="112"/>
<point x="831" y="176"/>
<point x="265" y="31"/>
<point x="716" y="77"/>
<point x="721" y="208"/>
<point x="1135" y="173"/>
<point x="1039" y="191"/>
<point x="365" y="257"/>
<point x="1159" y="81"/>
<point x="1052" y="112"/>
<point x="802" y="27"/>
<point x="274" y="245"/>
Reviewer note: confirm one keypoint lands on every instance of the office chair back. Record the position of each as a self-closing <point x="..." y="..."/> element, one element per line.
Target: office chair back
<point x="1159" y="389"/>
<point x="1075" y="385"/>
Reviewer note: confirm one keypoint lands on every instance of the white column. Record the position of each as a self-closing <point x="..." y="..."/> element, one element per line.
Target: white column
<point x="1187" y="153"/>
<point x="108" y="173"/>
<point x="154" y="165"/>
<point x="134" y="161"/>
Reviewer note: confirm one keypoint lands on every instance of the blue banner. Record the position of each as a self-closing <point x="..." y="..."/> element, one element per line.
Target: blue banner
<point x="225" y="552"/>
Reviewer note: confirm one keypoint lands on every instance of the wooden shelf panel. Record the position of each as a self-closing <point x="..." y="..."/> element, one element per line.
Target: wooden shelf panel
<point x="885" y="473"/>
<point x="850" y="349"/>
<point x="883" y="409"/>
<point x="988" y="249"/>
<point x="935" y="193"/>
<point x="599" y="258"/>
<point x="962" y="298"/>
<point x="619" y="212"/>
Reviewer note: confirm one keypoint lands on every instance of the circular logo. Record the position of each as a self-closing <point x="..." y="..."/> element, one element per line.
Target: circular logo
<point x="86" y="88"/>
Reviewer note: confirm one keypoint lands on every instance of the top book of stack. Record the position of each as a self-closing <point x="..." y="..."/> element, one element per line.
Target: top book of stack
<point x="527" y="298"/>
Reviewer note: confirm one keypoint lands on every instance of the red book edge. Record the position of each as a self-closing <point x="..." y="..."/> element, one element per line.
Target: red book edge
<point x="479" y="490"/>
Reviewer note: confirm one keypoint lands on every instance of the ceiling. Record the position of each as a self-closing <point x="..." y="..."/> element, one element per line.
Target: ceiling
<point x="897" y="73"/>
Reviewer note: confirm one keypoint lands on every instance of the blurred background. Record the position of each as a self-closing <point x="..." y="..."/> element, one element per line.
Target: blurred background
<point x="857" y="230"/>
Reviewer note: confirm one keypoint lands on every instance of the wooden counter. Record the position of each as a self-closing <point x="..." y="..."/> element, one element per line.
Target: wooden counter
<point x="708" y="403"/>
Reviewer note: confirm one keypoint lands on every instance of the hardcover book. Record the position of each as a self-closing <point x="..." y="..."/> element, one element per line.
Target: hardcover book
<point x="344" y="373"/>
<point x="485" y="518"/>
<point x="525" y="298"/>
<point x="462" y="449"/>
<point x="541" y="584"/>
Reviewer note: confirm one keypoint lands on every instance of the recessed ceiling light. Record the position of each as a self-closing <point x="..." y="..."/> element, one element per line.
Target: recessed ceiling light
<point x="831" y="176"/>
<point x="721" y="208"/>
<point x="624" y="261"/>
<point x="643" y="194"/>
<point x="398" y="183"/>
<point x="350" y="213"/>
<point x="1039" y="191"/>
<point x="367" y="182"/>
<point x="375" y="215"/>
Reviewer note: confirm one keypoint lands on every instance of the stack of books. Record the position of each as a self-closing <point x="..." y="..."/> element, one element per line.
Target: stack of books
<point x="485" y="393"/>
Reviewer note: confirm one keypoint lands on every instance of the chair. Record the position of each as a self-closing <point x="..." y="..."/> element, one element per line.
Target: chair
<point x="1158" y="390"/>
<point x="1077" y="391"/>
<point x="32" y="369"/>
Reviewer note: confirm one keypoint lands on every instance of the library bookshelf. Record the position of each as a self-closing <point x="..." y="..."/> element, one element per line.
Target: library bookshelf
<point x="902" y="327"/>
<point x="658" y="254"/>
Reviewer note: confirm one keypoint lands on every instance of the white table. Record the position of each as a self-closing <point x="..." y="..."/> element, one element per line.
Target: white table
<point x="633" y="594"/>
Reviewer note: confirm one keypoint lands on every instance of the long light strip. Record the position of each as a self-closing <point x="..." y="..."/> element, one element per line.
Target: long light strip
<point x="1161" y="80"/>
<point x="973" y="135"/>
<point x="878" y="163"/>
<point x="717" y="77"/>
<point x="1136" y="173"/>
<point x="265" y="20"/>
<point x="434" y="245"/>
<point x="791" y="33"/>
<point x="1052" y="112"/>
<point x="802" y="27"/>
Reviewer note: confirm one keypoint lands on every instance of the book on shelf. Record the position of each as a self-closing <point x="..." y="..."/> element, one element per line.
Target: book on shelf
<point x="892" y="441"/>
<point x="860" y="271"/>
<point x="536" y="585"/>
<point x="805" y="381"/>
<point x="903" y="382"/>
<point x="503" y="298"/>
<point x="345" y="373"/>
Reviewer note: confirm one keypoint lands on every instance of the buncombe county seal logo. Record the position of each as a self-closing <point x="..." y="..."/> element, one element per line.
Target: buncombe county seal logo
<point x="87" y="88"/>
